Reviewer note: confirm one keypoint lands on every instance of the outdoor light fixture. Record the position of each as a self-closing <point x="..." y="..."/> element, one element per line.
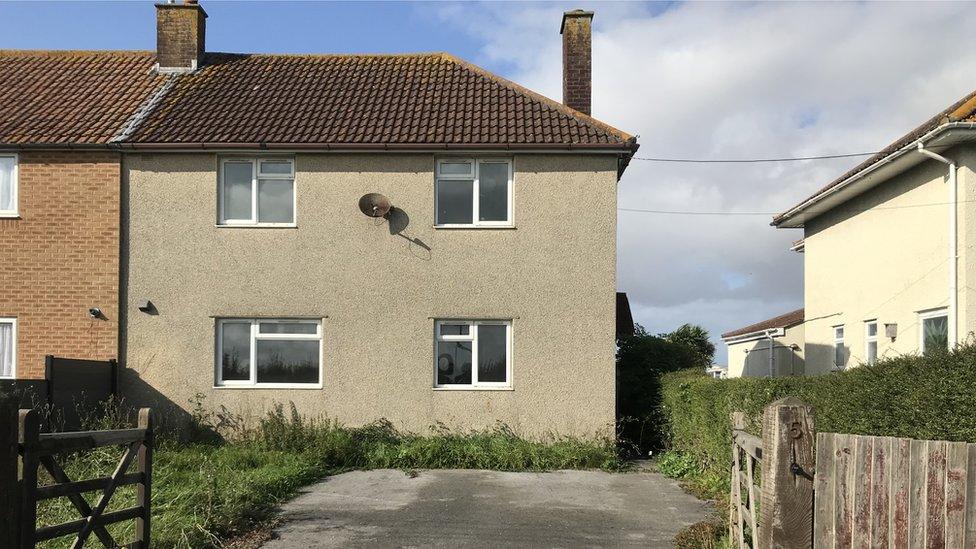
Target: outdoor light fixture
<point x="147" y="307"/>
<point x="95" y="312"/>
<point x="891" y="331"/>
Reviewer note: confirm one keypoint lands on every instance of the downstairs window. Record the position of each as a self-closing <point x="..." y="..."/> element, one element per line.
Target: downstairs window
<point x="473" y="354"/>
<point x="269" y="352"/>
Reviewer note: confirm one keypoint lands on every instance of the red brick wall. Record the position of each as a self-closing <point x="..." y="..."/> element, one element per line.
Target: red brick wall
<point x="61" y="257"/>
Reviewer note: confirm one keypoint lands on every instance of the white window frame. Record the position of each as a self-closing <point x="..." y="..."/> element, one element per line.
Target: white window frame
<point x="472" y="337"/>
<point x="15" y="179"/>
<point x="838" y="340"/>
<point x="926" y="315"/>
<point x="256" y="174"/>
<point x="869" y="339"/>
<point x="13" y="365"/>
<point x="256" y="335"/>
<point x="474" y="175"/>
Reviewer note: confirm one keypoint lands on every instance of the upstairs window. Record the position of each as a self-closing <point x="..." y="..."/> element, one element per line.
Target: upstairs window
<point x="871" y="341"/>
<point x="269" y="353"/>
<point x="8" y="185"/>
<point x="840" y="354"/>
<point x="473" y="354"/>
<point x="935" y="331"/>
<point x="257" y="191"/>
<point x="8" y="347"/>
<point x="473" y="193"/>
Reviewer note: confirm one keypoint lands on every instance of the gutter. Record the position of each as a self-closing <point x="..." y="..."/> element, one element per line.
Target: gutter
<point x="953" y="238"/>
<point x="601" y="148"/>
<point x="907" y="149"/>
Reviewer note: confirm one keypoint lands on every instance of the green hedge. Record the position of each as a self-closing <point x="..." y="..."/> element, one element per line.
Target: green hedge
<point x="930" y="397"/>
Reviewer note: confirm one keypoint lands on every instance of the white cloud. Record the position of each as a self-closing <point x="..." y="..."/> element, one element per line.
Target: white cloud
<point x="716" y="80"/>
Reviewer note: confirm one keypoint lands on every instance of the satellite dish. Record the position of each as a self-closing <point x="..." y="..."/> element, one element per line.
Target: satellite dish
<point x="374" y="205"/>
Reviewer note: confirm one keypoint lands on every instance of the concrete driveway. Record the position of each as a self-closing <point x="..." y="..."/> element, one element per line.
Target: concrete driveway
<point x="453" y="508"/>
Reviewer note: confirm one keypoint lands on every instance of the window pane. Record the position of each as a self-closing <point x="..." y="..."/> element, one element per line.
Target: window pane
<point x="235" y="349"/>
<point x="872" y="329"/>
<point x="275" y="201"/>
<point x="276" y="167"/>
<point x="872" y="351"/>
<point x="839" y="354"/>
<point x="288" y="361"/>
<point x="838" y="333"/>
<point x="454" y="201"/>
<point x="493" y="192"/>
<point x="288" y="328"/>
<point x="453" y="167"/>
<point x="237" y="190"/>
<point x="492" y="363"/>
<point x="935" y="334"/>
<point x="6" y="349"/>
<point x="6" y="183"/>
<point x="453" y="362"/>
<point x="455" y="329"/>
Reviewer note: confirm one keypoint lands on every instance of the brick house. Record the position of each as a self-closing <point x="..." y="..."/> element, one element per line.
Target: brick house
<point x="60" y="113"/>
<point x="246" y="271"/>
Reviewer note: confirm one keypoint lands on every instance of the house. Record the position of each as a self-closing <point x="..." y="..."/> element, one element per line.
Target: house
<point x="248" y="274"/>
<point x="770" y="348"/>
<point x="61" y="114"/>
<point x="717" y="371"/>
<point x="888" y="248"/>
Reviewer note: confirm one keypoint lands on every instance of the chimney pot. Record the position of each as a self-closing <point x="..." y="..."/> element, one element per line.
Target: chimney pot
<point x="577" y="65"/>
<point x="180" y="36"/>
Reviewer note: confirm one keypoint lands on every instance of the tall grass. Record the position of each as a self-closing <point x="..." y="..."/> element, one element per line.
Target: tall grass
<point x="205" y="492"/>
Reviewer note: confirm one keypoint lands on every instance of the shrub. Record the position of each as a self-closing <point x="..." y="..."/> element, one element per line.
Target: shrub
<point x="641" y="360"/>
<point x="924" y="397"/>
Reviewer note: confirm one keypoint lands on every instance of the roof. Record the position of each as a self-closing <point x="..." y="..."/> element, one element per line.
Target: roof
<point x="64" y="97"/>
<point x="415" y="99"/>
<point x="963" y="110"/>
<point x="791" y="318"/>
<point x="354" y="101"/>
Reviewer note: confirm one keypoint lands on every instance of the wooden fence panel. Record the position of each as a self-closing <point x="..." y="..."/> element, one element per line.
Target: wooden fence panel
<point x="894" y="492"/>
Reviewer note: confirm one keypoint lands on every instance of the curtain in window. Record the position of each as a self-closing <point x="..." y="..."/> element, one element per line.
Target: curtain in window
<point x="6" y="183"/>
<point x="6" y="349"/>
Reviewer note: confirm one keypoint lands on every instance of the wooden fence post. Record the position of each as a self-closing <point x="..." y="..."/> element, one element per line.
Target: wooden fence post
<point x="9" y="494"/>
<point x="144" y="488"/>
<point x="30" y="430"/>
<point x="786" y="510"/>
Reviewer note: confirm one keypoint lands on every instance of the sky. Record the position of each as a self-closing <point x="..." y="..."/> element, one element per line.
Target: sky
<point x="692" y="80"/>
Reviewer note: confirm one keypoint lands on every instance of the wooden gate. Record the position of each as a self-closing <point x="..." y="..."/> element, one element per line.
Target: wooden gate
<point x="894" y="492"/>
<point x="857" y="491"/>
<point x="38" y="449"/>
<point x="746" y="454"/>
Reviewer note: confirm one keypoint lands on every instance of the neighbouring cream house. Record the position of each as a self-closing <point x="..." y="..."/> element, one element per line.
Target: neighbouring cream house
<point x="251" y="275"/>
<point x="888" y="249"/>
<point x="770" y="348"/>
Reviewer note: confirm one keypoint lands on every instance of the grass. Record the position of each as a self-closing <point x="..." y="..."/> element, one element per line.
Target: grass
<point x="207" y="492"/>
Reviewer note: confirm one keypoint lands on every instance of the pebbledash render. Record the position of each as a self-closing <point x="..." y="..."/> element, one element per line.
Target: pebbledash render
<point x="250" y="276"/>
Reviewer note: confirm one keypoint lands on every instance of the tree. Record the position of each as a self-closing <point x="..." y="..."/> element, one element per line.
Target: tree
<point x="693" y="337"/>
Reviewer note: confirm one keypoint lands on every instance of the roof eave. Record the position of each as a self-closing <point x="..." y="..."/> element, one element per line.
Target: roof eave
<point x="940" y="138"/>
<point x="577" y="148"/>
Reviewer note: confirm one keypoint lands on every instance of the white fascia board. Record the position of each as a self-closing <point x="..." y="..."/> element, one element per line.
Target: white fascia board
<point x="752" y="336"/>
<point x="939" y="139"/>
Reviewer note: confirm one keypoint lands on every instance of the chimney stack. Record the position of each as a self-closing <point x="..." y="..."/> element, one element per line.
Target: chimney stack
<point x="577" y="72"/>
<point x="180" y="36"/>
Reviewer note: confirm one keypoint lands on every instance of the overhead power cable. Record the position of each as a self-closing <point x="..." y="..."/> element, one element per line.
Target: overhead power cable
<point x="731" y="213"/>
<point x="750" y="160"/>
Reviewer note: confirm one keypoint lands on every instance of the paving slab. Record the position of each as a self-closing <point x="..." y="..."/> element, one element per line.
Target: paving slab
<point x="470" y="508"/>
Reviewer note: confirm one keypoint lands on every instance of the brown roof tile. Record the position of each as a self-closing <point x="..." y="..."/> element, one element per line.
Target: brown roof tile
<point x="416" y="99"/>
<point x="782" y="321"/>
<point x="963" y="110"/>
<point x="62" y="97"/>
